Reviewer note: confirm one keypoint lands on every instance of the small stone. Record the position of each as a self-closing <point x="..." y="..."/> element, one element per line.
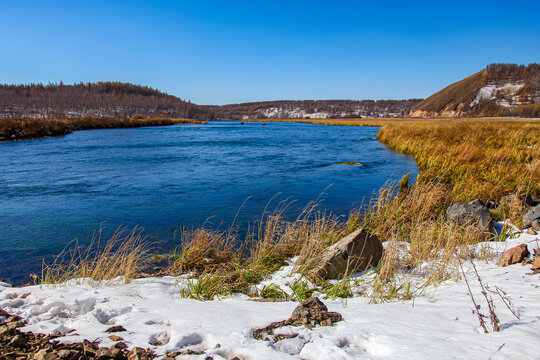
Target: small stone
<point x="117" y="328"/>
<point x="19" y="341"/>
<point x="137" y="354"/>
<point x="535" y="224"/>
<point x="536" y="264"/>
<point x="103" y="353"/>
<point x="45" y="354"/>
<point x="89" y="348"/>
<point x="513" y="255"/>
<point x="4" y="330"/>
<point x="115" y="338"/>
<point x="531" y="215"/>
<point x="116" y="353"/>
<point x="326" y="322"/>
<point x="120" y="345"/>
<point x="67" y="354"/>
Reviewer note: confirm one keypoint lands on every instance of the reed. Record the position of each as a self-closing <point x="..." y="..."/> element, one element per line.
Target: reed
<point x="119" y="259"/>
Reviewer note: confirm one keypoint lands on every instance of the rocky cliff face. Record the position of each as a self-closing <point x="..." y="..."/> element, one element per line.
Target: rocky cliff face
<point x="498" y="90"/>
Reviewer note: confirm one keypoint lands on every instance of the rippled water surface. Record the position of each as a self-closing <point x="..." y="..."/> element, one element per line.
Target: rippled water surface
<point x="162" y="178"/>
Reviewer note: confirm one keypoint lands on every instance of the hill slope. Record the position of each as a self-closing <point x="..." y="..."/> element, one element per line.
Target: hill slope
<point x="498" y="90"/>
<point x="314" y="109"/>
<point x="100" y="100"/>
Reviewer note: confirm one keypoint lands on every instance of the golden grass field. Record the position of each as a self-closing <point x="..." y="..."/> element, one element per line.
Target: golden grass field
<point x="459" y="159"/>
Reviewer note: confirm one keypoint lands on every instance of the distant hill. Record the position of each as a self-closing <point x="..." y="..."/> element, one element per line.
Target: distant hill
<point x="99" y="100"/>
<point x="314" y="109"/>
<point x="498" y="90"/>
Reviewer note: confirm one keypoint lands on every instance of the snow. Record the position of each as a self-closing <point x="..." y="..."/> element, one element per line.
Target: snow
<point x="489" y="92"/>
<point x="437" y="324"/>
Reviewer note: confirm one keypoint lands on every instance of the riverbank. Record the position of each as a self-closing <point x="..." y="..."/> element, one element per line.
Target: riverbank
<point x="438" y="322"/>
<point x="20" y="129"/>
<point x="419" y="283"/>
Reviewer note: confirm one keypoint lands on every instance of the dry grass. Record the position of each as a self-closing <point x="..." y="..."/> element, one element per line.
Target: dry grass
<point x="459" y="160"/>
<point x="18" y="129"/>
<point x="119" y="259"/>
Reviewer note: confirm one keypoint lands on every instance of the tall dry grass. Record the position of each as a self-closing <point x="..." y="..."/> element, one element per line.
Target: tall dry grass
<point x="459" y="160"/>
<point x="119" y="258"/>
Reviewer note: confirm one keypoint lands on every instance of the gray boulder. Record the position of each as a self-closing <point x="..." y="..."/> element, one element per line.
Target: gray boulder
<point x="355" y="252"/>
<point x="474" y="213"/>
<point x="531" y="215"/>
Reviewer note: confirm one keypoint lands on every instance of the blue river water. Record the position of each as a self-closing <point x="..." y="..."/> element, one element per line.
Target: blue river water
<point x="162" y="179"/>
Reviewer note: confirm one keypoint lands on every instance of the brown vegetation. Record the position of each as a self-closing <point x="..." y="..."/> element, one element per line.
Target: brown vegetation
<point x="456" y="100"/>
<point x="459" y="160"/>
<point x="18" y="129"/>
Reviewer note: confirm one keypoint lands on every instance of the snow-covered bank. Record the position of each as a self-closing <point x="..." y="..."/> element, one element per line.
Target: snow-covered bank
<point x="437" y="324"/>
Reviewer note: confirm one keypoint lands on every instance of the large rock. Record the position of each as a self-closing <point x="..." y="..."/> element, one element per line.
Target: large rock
<point x="531" y="215"/>
<point x="355" y="252"/>
<point x="513" y="255"/>
<point x="474" y="213"/>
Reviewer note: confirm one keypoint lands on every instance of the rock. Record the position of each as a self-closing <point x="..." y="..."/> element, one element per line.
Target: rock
<point x="117" y="353"/>
<point x="536" y="264"/>
<point x="313" y="312"/>
<point x="535" y="224"/>
<point x="68" y="354"/>
<point x="116" y="328"/>
<point x="19" y="341"/>
<point x="531" y="215"/>
<point x="90" y="348"/>
<point x="310" y="313"/>
<point x="529" y="199"/>
<point x="103" y="353"/>
<point x="471" y="213"/>
<point x="513" y="255"/>
<point x="477" y="202"/>
<point x="116" y="338"/>
<point x="508" y="199"/>
<point x="137" y="354"/>
<point x="120" y="345"/>
<point x="355" y="252"/>
<point x="4" y="330"/>
<point x="45" y="354"/>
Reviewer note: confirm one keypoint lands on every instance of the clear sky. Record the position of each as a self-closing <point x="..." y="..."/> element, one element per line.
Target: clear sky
<point x="218" y="52"/>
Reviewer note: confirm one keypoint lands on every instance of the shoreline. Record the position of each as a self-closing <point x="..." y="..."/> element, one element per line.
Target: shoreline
<point x="216" y="296"/>
<point x="27" y="129"/>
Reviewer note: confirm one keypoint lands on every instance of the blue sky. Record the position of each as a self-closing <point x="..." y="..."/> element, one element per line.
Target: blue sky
<point x="217" y="52"/>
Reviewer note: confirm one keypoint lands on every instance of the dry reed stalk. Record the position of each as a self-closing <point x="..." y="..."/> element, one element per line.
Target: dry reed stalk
<point x="120" y="258"/>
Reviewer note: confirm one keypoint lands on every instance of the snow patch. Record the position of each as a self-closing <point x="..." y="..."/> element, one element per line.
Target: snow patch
<point x="489" y="92"/>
